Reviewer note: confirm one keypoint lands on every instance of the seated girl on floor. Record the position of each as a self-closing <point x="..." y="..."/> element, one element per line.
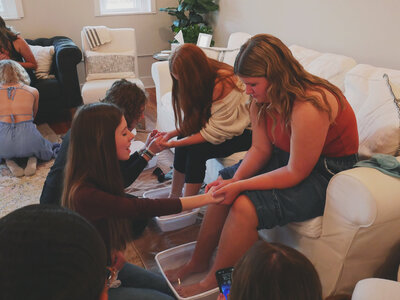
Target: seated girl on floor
<point x="93" y="187"/>
<point x="19" y="136"/>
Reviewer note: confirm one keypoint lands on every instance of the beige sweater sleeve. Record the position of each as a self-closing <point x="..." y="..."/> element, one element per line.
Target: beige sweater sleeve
<point x="229" y="118"/>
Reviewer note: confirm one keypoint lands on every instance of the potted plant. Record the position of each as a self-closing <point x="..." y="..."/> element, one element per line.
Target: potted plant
<point x="191" y="18"/>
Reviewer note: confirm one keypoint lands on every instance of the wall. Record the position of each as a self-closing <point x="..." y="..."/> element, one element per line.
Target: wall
<point x="367" y="30"/>
<point x="47" y="18"/>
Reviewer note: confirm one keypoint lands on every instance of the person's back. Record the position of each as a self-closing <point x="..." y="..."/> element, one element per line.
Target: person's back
<point x="17" y="103"/>
<point x="64" y="261"/>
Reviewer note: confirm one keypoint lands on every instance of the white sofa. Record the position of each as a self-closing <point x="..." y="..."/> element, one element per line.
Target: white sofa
<point x="361" y="220"/>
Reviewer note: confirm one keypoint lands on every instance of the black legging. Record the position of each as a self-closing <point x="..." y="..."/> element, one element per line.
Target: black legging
<point x="191" y="160"/>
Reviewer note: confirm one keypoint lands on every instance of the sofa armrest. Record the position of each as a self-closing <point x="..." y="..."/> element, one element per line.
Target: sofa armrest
<point x="67" y="56"/>
<point x="162" y="78"/>
<point x="361" y="197"/>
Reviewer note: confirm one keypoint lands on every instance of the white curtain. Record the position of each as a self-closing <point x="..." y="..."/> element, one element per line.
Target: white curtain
<point x="11" y="9"/>
<point x="125" y="6"/>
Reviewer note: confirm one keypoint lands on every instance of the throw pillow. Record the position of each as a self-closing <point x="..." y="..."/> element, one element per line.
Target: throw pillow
<point x="44" y="58"/>
<point x="109" y="65"/>
<point x="373" y="103"/>
<point x="225" y="55"/>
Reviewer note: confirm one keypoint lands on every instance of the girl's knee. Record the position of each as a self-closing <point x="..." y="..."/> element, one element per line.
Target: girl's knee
<point x="244" y="210"/>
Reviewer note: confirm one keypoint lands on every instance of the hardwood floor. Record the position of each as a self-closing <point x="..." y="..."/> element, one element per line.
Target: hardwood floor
<point x="61" y="122"/>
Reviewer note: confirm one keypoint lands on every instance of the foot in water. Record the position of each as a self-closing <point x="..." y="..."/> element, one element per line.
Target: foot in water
<point x="179" y="274"/>
<point x="195" y="289"/>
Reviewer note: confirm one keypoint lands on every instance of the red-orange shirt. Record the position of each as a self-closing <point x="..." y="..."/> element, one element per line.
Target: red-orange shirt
<point x="341" y="140"/>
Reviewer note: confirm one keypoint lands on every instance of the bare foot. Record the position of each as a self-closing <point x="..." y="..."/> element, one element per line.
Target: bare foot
<point x="195" y="289"/>
<point x="184" y="271"/>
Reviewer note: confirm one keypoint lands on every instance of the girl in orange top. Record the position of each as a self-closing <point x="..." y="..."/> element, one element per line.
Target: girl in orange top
<point x="304" y="131"/>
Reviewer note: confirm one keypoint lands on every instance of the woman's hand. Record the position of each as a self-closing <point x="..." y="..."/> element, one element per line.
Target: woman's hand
<point x="213" y="199"/>
<point x="151" y="137"/>
<point x="221" y="297"/>
<point x="219" y="183"/>
<point x="156" y="145"/>
<point x="229" y="192"/>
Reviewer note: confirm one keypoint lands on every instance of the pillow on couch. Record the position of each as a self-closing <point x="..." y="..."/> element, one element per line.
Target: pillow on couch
<point x="378" y="117"/>
<point x="44" y="59"/>
<point x="225" y="55"/>
<point x="109" y="65"/>
<point x="330" y="66"/>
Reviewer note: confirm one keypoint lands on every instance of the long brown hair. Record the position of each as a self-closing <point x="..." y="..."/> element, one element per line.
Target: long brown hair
<point x="92" y="158"/>
<point x="192" y="93"/>
<point x="7" y="36"/>
<point x="266" y="56"/>
<point x="274" y="271"/>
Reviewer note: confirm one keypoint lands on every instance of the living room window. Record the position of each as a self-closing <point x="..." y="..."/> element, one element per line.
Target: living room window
<point x="124" y="7"/>
<point x="11" y="9"/>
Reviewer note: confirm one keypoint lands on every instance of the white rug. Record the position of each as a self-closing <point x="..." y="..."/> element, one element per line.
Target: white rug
<point x="16" y="192"/>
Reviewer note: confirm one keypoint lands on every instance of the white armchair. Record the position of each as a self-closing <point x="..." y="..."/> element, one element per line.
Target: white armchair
<point x="109" y="62"/>
<point x="376" y="289"/>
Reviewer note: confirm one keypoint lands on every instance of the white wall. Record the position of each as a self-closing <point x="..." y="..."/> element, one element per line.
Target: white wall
<point x="48" y="18"/>
<point x="367" y="30"/>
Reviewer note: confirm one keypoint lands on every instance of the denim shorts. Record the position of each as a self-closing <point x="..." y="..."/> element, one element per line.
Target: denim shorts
<point x="298" y="203"/>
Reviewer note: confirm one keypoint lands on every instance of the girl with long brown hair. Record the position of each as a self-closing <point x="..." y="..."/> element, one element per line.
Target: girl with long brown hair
<point x="304" y="131"/>
<point x="211" y="116"/>
<point x="14" y="47"/>
<point x="94" y="188"/>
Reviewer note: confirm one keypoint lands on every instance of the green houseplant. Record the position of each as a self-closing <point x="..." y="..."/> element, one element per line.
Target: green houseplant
<point x="190" y="18"/>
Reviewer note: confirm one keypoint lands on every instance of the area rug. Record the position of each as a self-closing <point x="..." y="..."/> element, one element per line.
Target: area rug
<point x="16" y="192"/>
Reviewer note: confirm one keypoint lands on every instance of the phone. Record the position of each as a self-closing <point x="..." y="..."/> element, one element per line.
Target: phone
<point x="224" y="279"/>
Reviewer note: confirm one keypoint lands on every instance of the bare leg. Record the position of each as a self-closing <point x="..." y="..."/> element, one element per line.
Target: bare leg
<point x="207" y="241"/>
<point x="30" y="168"/>
<point x="178" y="179"/>
<point x="238" y="235"/>
<point x="16" y="170"/>
<point x="191" y="189"/>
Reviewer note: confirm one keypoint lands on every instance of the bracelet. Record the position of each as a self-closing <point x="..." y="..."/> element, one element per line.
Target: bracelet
<point x="147" y="153"/>
<point x="150" y="152"/>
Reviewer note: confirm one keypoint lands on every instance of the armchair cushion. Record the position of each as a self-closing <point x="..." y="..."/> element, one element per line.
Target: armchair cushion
<point x="101" y="65"/>
<point x="373" y="103"/>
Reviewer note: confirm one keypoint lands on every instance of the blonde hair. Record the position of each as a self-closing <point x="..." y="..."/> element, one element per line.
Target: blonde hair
<point x="266" y="56"/>
<point x="12" y="72"/>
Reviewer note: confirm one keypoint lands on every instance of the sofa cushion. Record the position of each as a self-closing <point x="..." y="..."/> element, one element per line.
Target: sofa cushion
<point x="225" y="55"/>
<point x="329" y="66"/>
<point x="377" y="115"/>
<point x="44" y="59"/>
<point x="101" y="65"/>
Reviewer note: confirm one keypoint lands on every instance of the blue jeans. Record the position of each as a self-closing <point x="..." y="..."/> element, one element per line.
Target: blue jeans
<point x="306" y="200"/>
<point x="138" y="283"/>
